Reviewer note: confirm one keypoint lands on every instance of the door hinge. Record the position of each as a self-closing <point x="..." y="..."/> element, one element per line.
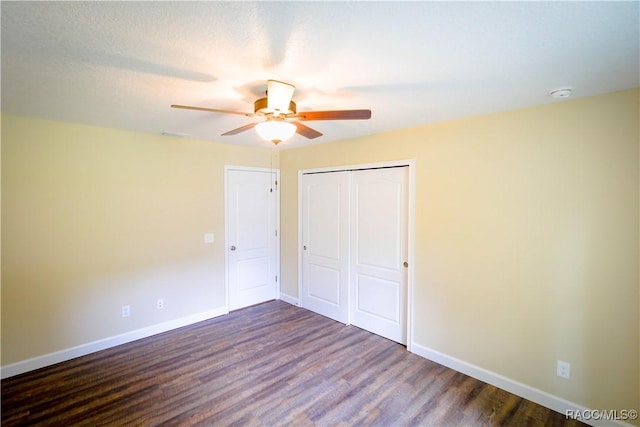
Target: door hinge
<point x="276" y="233"/>
<point x="276" y="279"/>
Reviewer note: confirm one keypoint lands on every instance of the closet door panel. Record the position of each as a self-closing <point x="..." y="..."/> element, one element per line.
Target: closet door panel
<point x="325" y="236"/>
<point x="379" y="216"/>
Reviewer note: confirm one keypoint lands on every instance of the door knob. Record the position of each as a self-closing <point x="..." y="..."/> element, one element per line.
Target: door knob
<point x="233" y="248"/>
<point x="406" y="264"/>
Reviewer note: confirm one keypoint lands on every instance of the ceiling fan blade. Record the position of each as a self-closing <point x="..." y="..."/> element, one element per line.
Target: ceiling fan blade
<point x="306" y="131"/>
<point x="211" y="110"/>
<point x="335" y="115"/>
<point x="240" y="129"/>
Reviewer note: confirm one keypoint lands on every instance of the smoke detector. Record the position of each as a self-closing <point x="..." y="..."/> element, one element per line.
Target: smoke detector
<point x="561" y="93"/>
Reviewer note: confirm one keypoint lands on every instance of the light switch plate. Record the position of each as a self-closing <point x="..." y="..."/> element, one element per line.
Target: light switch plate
<point x="209" y="237"/>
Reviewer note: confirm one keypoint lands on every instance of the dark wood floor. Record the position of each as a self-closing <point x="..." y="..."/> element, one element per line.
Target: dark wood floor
<point x="271" y="364"/>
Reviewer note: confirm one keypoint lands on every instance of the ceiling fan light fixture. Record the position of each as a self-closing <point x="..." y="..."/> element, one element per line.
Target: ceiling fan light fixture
<point x="275" y="131"/>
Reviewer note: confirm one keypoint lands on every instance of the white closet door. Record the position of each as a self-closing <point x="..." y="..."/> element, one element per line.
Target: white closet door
<point x="325" y="254"/>
<point x="379" y="216"/>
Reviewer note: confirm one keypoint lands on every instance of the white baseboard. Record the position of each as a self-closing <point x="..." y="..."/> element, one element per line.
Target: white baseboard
<point x="288" y="299"/>
<point x="84" y="349"/>
<point x="540" y="397"/>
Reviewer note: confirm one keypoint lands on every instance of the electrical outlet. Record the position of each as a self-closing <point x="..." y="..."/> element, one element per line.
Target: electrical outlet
<point x="126" y="310"/>
<point x="209" y="237"/>
<point x="160" y="304"/>
<point x="564" y="369"/>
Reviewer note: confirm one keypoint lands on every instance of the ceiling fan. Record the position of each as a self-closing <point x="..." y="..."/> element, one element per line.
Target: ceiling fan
<point x="280" y="116"/>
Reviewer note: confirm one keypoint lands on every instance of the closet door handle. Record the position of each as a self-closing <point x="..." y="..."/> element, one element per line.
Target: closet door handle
<point x="233" y="248"/>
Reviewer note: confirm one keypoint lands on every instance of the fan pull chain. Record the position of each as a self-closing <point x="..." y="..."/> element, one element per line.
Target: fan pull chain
<point x="277" y="166"/>
<point x="273" y="172"/>
<point x="271" y="167"/>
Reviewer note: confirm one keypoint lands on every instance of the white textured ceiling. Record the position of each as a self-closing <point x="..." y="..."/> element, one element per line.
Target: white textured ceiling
<point x="121" y="64"/>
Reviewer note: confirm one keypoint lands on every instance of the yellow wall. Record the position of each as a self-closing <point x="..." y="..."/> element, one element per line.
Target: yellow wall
<point x="526" y="240"/>
<point x="96" y="218"/>
<point x="526" y="236"/>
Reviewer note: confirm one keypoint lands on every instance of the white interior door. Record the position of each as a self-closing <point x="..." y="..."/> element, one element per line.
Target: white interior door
<point x="325" y="251"/>
<point x="379" y="217"/>
<point x="251" y="223"/>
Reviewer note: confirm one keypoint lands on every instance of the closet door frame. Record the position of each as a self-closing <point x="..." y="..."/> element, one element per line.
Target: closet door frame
<point x="410" y="226"/>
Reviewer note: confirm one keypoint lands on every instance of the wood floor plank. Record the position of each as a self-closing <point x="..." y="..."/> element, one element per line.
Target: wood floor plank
<point x="270" y="364"/>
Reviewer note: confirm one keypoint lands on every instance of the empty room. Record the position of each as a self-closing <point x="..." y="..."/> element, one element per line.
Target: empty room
<point x="320" y="213"/>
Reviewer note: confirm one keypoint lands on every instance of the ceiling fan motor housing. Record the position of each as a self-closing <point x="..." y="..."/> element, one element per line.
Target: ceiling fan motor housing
<point x="261" y="107"/>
